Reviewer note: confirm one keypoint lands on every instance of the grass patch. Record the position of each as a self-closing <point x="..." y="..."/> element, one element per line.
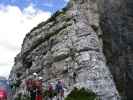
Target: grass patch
<point x="81" y="94"/>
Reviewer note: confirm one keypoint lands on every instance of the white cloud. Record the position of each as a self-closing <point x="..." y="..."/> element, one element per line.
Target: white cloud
<point x="14" y="24"/>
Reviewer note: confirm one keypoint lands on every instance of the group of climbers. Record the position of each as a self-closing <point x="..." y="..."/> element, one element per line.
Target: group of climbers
<point x="57" y="91"/>
<point x="34" y="87"/>
<point x="35" y="91"/>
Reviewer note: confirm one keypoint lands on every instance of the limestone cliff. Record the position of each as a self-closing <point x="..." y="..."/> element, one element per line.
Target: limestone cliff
<point x="71" y="40"/>
<point x="116" y="21"/>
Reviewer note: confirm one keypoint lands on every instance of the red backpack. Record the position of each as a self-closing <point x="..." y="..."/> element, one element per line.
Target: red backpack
<point x="50" y="88"/>
<point x="29" y="84"/>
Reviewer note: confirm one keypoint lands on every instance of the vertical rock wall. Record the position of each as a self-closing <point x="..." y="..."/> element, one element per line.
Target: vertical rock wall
<point x="117" y="25"/>
<point x="70" y="41"/>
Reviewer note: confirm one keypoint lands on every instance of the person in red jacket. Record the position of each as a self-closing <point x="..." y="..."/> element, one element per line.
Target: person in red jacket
<point x="38" y="84"/>
<point x="3" y="94"/>
<point x="34" y="86"/>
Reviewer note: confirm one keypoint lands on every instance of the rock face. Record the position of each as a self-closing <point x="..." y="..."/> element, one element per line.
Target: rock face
<point x="117" y="25"/>
<point x="70" y="41"/>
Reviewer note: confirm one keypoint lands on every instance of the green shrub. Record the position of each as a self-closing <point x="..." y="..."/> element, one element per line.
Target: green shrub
<point x="81" y="94"/>
<point x="46" y="93"/>
<point x="22" y="97"/>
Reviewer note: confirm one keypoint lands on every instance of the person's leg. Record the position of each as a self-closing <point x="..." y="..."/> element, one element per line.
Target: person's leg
<point x="36" y="98"/>
<point x="50" y="96"/>
<point x="41" y="95"/>
<point x="62" y="95"/>
<point x="31" y="96"/>
<point x="58" y="96"/>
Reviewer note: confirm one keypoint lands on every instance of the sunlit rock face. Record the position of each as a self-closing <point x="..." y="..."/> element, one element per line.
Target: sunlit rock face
<point x="71" y="40"/>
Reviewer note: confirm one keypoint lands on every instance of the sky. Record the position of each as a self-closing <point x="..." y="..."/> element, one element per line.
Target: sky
<point x="18" y="17"/>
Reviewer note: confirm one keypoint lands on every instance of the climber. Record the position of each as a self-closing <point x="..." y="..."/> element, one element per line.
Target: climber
<point x="35" y="76"/>
<point x="74" y="77"/>
<point x="59" y="90"/>
<point x="62" y="90"/>
<point x="13" y="86"/>
<point x="22" y="93"/>
<point x="33" y="93"/>
<point x="31" y="86"/>
<point x="39" y="89"/>
<point x="18" y="82"/>
<point x="50" y="90"/>
<point x="28" y="86"/>
<point x="30" y="89"/>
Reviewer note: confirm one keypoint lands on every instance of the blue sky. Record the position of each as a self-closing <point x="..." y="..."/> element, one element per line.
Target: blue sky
<point x="45" y="5"/>
<point x="18" y="17"/>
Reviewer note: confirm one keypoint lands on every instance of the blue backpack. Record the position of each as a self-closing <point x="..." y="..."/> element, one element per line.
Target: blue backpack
<point x="59" y="87"/>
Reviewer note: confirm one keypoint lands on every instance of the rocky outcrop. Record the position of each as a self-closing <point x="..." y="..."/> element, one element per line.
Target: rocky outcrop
<point x="70" y="41"/>
<point x="116" y="22"/>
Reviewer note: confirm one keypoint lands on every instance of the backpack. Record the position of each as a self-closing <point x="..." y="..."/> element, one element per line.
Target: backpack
<point x="50" y="88"/>
<point x="59" y="87"/>
<point x="29" y="84"/>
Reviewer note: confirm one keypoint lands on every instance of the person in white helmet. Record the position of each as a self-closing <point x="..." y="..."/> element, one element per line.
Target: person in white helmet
<point x="39" y="88"/>
<point x="33" y="86"/>
<point x="40" y="78"/>
<point x="35" y="75"/>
